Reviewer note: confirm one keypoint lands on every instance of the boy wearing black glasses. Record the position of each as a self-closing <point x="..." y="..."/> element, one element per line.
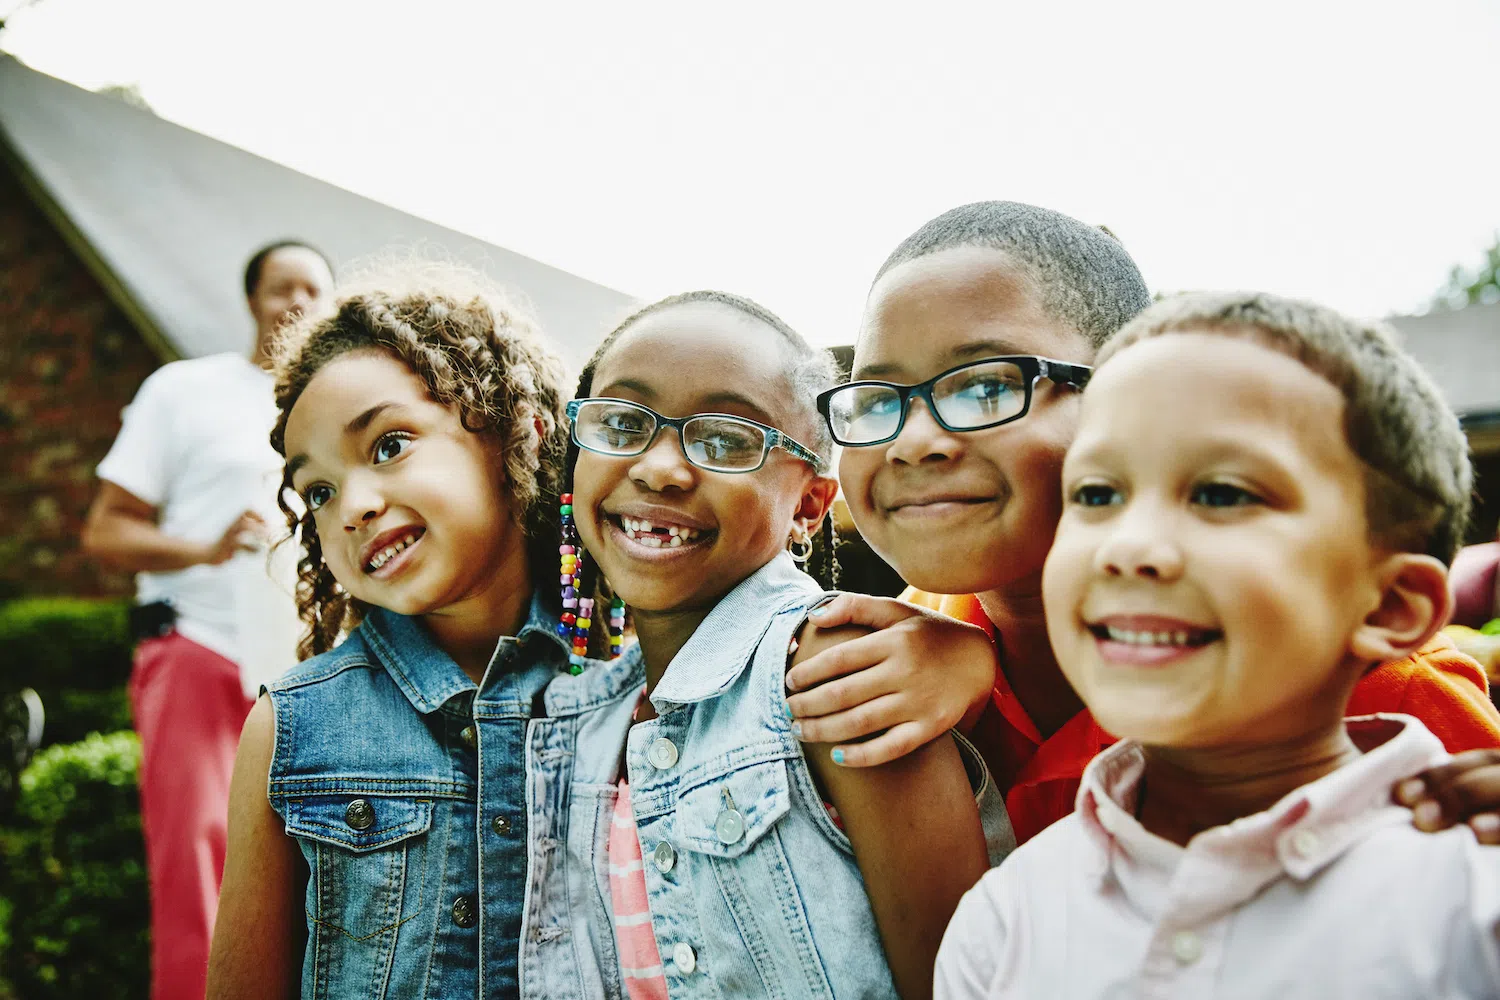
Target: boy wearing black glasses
<point x="954" y="480"/>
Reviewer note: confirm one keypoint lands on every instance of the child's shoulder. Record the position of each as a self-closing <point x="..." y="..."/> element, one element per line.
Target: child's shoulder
<point x="352" y="653"/>
<point x="1439" y="685"/>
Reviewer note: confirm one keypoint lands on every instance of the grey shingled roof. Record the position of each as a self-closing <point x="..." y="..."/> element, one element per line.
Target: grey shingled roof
<point x="1461" y="349"/>
<point x="166" y="217"/>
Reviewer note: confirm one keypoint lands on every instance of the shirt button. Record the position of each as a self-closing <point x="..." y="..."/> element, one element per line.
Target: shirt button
<point x="501" y="825"/>
<point x="360" y="815"/>
<point x="469" y="737"/>
<point x="683" y="958"/>
<point x="664" y="856"/>
<point x="1306" y="843"/>
<point x="1187" y="947"/>
<point x="663" y="754"/>
<point x="463" y="912"/>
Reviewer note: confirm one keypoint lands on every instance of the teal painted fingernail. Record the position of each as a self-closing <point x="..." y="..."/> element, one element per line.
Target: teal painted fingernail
<point x="838" y="756"/>
<point x="789" y="713"/>
<point x="819" y="610"/>
<point x="797" y="730"/>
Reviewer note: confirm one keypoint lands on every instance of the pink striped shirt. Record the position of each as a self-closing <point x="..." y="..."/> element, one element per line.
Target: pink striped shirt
<point x="640" y="961"/>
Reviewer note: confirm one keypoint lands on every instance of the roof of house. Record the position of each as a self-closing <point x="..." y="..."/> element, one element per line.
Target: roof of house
<point x="166" y="218"/>
<point x="1461" y="348"/>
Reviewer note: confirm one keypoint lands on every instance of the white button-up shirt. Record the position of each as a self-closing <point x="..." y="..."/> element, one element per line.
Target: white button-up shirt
<point x="1330" y="893"/>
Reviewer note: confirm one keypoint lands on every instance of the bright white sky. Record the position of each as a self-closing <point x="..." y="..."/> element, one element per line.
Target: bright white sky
<point x="1347" y="152"/>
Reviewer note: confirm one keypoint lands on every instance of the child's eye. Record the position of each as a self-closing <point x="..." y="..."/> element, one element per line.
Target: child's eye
<point x="1222" y="495"/>
<point x="317" y="495"/>
<point x="1096" y="495"/>
<point x="390" y="446"/>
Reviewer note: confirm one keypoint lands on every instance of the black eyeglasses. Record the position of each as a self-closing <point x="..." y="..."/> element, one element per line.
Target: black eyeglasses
<point x="714" y="442"/>
<point x="971" y="397"/>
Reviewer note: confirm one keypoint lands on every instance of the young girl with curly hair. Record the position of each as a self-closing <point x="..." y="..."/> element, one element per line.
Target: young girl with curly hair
<point x="398" y="797"/>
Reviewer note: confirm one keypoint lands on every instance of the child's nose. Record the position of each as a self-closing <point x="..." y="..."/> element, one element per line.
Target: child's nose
<point x="922" y="438"/>
<point x="663" y="465"/>
<point x="1140" y="546"/>
<point x="359" y="505"/>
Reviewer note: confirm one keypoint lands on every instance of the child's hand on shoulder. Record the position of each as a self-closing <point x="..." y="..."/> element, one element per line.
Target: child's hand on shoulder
<point x="1464" y="790"/>
<point x="917" y="676"/>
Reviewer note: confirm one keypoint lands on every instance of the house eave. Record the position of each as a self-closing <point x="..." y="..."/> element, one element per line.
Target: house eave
<point x="80" y="245"/>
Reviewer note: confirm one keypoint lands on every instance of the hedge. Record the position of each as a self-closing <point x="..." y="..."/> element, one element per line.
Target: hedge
<point x="76" y="653"/>
<point x="73" y="876"/>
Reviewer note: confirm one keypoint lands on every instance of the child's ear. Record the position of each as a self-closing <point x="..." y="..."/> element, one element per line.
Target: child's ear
<point x="1415" y="602"/>
<point x="817" y="500"/>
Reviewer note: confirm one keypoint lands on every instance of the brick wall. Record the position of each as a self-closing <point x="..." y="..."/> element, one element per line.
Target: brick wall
<point x="69" y="362"/>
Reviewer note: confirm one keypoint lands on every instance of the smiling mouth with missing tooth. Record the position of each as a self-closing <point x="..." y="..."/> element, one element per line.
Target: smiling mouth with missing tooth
<point x="658" y="536"/>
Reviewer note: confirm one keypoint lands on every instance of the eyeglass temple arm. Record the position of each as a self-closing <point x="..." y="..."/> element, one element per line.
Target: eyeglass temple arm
<point x="1062" y="372"/>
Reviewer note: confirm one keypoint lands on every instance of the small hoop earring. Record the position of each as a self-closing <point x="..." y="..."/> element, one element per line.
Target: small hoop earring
<point x="801" y="550"/>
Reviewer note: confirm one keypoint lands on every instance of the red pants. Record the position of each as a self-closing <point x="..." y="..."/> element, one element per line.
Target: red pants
<point x="189" y="709"/>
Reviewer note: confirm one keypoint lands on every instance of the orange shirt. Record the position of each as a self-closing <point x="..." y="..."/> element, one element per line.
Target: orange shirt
<point x="1444" y="688"/>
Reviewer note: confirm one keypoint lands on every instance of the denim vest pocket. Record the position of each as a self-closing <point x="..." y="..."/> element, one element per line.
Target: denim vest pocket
<point x="366" y="881"/>
<point x="726" y="815"/>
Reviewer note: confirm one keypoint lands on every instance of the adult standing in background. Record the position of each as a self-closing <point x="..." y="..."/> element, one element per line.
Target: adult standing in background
<point x="186" y="500"/>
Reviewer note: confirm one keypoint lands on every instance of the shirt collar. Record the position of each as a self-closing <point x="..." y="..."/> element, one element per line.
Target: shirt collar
<point x="723" y="644"/>
<point x="428" y="677"/>
<point x="1300" y="835"/>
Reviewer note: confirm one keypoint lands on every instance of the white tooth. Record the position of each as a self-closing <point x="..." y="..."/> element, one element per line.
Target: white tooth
<point x="676" y="540"/>
<point x="672" y="530"/>
<point x="647" y="526"/>
<point x="1179" y="638"/>
<point x="1162" y="639"/>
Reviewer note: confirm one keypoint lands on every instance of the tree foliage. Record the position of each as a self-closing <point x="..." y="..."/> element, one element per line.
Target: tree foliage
<point x="1472" y="286"/>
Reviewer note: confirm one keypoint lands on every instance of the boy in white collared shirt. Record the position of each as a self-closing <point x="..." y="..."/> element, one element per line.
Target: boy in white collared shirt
<point x="1261" y="502"/>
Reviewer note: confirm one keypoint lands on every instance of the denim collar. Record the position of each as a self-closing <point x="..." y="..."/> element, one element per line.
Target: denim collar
<point x="427" y="676"/>
<point x="601" y="682"/>
<point x="721" y="647"/>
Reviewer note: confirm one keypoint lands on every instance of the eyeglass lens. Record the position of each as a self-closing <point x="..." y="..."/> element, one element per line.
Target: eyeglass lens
<point x="970" y="397"/>
<point x="713" y="443"/>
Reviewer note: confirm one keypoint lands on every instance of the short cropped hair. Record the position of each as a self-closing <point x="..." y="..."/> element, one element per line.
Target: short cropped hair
<point x="1416" y="460"/>
<point x="257" y="262"/>
<point x="1083" y="274"/>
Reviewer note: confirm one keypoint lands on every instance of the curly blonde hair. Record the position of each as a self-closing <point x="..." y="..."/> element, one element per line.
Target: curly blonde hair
<point x="476" y="351"/>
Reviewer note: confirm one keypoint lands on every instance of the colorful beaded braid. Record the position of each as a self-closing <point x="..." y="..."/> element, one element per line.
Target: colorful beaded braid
<point x="578" y="611"/>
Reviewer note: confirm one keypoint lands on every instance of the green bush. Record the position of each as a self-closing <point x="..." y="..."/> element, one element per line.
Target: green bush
<point x="73" y="873"/>
<point x="65" y="642"/>
<point x="76" y="653"/>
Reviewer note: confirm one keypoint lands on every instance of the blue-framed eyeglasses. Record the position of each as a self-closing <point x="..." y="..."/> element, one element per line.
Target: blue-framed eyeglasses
<point x="714" y="442"/>
<point x="972" y="397"/>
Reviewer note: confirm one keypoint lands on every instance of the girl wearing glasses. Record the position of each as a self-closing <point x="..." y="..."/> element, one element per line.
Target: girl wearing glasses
<point x="741" y="862"/>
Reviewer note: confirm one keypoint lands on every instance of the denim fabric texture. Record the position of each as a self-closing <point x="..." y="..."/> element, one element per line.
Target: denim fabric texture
<point x="434" y="815"/>
<point x="754" y="891"/>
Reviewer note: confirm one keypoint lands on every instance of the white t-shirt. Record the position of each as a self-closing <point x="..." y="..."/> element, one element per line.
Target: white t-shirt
<point x="195" y="444"/>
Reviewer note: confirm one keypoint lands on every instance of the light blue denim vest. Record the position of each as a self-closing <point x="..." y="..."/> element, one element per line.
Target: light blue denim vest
<point x="446" y="857"/>
<point x="754" y="890"/>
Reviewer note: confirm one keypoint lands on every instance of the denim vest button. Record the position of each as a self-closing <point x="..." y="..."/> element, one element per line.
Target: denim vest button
<point x="463" y="912"/>
<point x="663" y="754"/>
<point x="664" y="856"/>
<point x="501" y="825"/>
<point x="730" y="826"/>
<point x="469" y="737"/>
<point x="360" y="815"/>
<point x="683" y="958"/>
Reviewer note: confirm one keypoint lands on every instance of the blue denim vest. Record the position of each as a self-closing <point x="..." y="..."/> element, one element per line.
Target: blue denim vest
<point x="435" y="815"/>
<point x="754" y="891"/>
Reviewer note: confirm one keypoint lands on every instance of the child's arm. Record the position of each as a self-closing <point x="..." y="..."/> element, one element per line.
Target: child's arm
<point x="920" y="675"/>
<point x="1466" y="789"/>
<point x="258" y="933"/>
<point x="916" y="834"/>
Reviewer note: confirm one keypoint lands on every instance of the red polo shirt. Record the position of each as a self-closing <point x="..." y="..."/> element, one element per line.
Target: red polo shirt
<point x="1444" y="688"/>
